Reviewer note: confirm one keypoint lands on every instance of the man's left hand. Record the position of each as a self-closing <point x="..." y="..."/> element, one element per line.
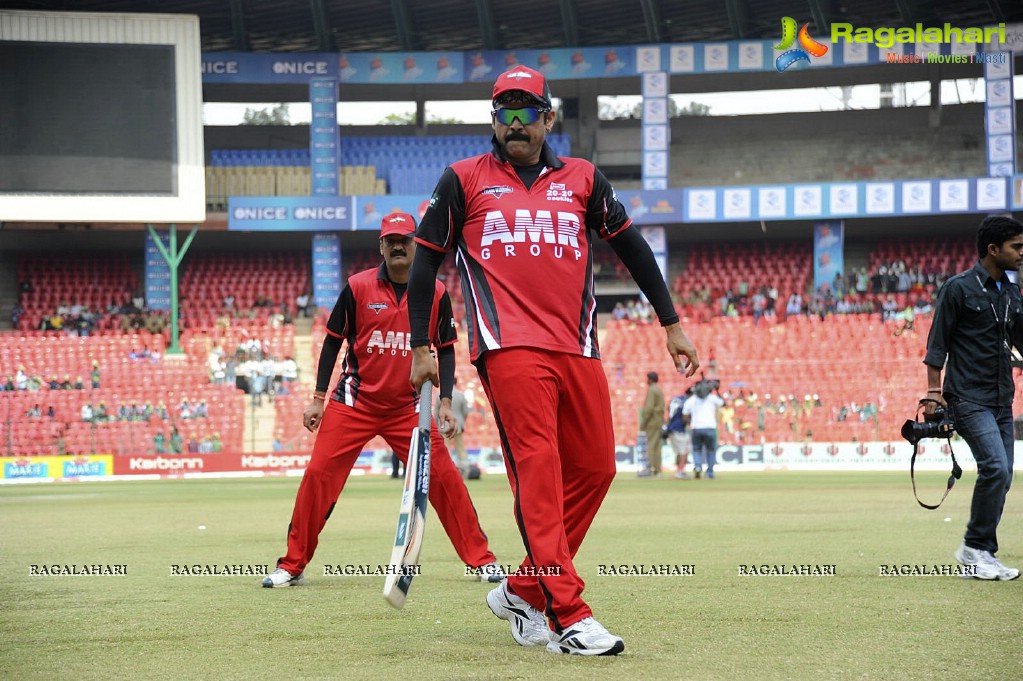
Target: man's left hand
<point x="679" y="347"/>
<point x="446" y="422"/>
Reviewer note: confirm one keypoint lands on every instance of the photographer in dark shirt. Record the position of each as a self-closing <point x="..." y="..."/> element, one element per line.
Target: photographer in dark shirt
<point x="978" y="316"/>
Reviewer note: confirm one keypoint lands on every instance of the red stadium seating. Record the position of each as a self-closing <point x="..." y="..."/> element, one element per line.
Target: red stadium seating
<point x="123" y="381"/>
<point x="93" y="281"/>
<point x="845" y="360"/>
<point x="721" y="267"/>
<point x="208" y="278"/>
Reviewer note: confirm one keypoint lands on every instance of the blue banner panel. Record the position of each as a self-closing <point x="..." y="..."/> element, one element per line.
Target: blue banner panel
<point x="808" y="201"/>
<point x="877" y="198"/>
<point x="828" y="249"/>
<point x="268" y="67"/>
<point x="289" y="213"/>
<point x="370" y="209"/>
<point x="324" y="144"/>
<point x="326" y="270"/>
<point x="396" y="68"/>
<point x="1000" y="116"/>
<point x="612" y="61"/>
<point x="560" y="63"/>
<point x="158" y="293"/>
<point x="662" y="207"/>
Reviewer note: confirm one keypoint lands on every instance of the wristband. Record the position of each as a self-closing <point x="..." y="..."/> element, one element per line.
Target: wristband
<point x="936" y="390"/>
<point x="322" y="398"/>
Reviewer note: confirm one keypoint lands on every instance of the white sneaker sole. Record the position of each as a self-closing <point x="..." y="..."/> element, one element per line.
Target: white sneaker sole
<point x="298" y="580"/>
<point x="997" y="576"/>
<point x="985" y="575"/>
<point x="562" y="647"/>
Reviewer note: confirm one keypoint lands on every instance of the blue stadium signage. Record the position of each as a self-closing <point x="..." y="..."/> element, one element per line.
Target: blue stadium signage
<point x="613" y="61"/>
<point x="24" y="470"/>
<point x="289" y="213"/>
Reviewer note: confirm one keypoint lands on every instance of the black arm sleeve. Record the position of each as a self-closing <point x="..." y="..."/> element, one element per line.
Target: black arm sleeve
<point x="635" y="253"/>
<point x="341" y="324"/>
<point x="441" y="227"/>
<point x="328" y="357"/>
<point x="421" y="283"/>
<point x="446" y="368"/>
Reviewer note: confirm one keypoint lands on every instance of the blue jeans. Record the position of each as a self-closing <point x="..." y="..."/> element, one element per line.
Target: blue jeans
<point x="988" y="432"/>
<point x="705" y="448"/>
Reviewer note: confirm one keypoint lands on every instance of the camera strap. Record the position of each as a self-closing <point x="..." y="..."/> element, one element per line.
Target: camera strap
<point x="957" y="471"/>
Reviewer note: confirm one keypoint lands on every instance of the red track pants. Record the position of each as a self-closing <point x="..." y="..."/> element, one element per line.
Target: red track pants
<point x="553" y="412"/>
<point x="343" y="433"/>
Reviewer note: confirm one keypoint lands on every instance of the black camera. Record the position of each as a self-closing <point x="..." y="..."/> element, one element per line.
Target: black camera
<point x="936" y="424"/>
<point x="706" y="386"/>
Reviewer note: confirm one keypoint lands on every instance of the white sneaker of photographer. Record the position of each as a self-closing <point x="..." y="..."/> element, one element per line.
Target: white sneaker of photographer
<point x="985" y="565"/>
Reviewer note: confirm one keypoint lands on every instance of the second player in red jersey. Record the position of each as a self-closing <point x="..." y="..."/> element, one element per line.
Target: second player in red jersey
<point x="374" y="397"/>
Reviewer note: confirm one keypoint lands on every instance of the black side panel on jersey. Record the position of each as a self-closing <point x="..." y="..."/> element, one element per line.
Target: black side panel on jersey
<point x="479" y="302"/>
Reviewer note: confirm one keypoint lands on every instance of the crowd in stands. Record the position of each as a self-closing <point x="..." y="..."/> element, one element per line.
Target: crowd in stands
<point x="238" y="335"/>
<point x="175" y="444"/>
<point x="895" y="293"/>
<point x="105" y="394"/>
<point x="636" y="311"/>
<point x="745" y="418"/>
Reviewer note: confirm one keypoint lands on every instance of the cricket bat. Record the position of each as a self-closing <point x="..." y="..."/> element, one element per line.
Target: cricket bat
<point x="408" y="539"/>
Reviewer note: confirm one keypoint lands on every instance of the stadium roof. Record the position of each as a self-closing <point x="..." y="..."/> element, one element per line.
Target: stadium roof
<point x="441" y="25"/>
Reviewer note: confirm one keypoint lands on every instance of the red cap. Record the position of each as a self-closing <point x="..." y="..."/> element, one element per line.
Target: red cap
<point x="523" y="79"/>
<point x="401" y="224"/>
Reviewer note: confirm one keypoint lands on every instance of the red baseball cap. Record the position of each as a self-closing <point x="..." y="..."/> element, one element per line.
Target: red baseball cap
<point x="401" y="224"/>
<point x="523" y="79"/>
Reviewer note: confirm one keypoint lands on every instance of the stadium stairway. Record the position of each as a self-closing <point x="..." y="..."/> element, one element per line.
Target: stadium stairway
<point x="261" y="421"/>
<point x="306" y="384"/>
<point x="259" y="426"/>
<point x="8" y="291"/>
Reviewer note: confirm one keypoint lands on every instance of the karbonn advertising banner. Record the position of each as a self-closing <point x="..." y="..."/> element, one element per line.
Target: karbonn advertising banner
<point x="171" y="465"/>
<point x="56" y="467"/>
<point x="934" y="455"/>
<point x="220" y="462"/>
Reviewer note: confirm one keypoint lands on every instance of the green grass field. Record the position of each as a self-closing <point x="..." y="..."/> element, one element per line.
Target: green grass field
<point x="714" y="624"/>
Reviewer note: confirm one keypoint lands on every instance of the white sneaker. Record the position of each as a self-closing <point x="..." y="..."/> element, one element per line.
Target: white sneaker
<point x="491" y="572"/>
<point x="681" y="475"/>
<point x="281" y="577"/>
<point x="528" y="625"/>
<point x="985" y="565"/>
<point x="586" y="637"/>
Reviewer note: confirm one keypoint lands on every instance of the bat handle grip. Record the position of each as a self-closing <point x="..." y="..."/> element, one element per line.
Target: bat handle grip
<point x="426" y="406"/>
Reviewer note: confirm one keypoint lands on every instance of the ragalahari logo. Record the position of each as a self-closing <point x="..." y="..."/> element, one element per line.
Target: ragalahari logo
<point x="807" y="45"/>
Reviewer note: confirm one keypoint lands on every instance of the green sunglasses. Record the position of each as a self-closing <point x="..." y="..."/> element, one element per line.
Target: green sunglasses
<point x="526" y="115"/>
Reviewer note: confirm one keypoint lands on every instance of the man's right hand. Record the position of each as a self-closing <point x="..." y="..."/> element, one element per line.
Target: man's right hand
<point x="424" y="368"/>
<point x="932" y="401"/>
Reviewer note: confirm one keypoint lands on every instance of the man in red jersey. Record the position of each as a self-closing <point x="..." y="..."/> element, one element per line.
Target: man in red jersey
<point x="521" y="221"/>
<point x="373" y="397"/>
